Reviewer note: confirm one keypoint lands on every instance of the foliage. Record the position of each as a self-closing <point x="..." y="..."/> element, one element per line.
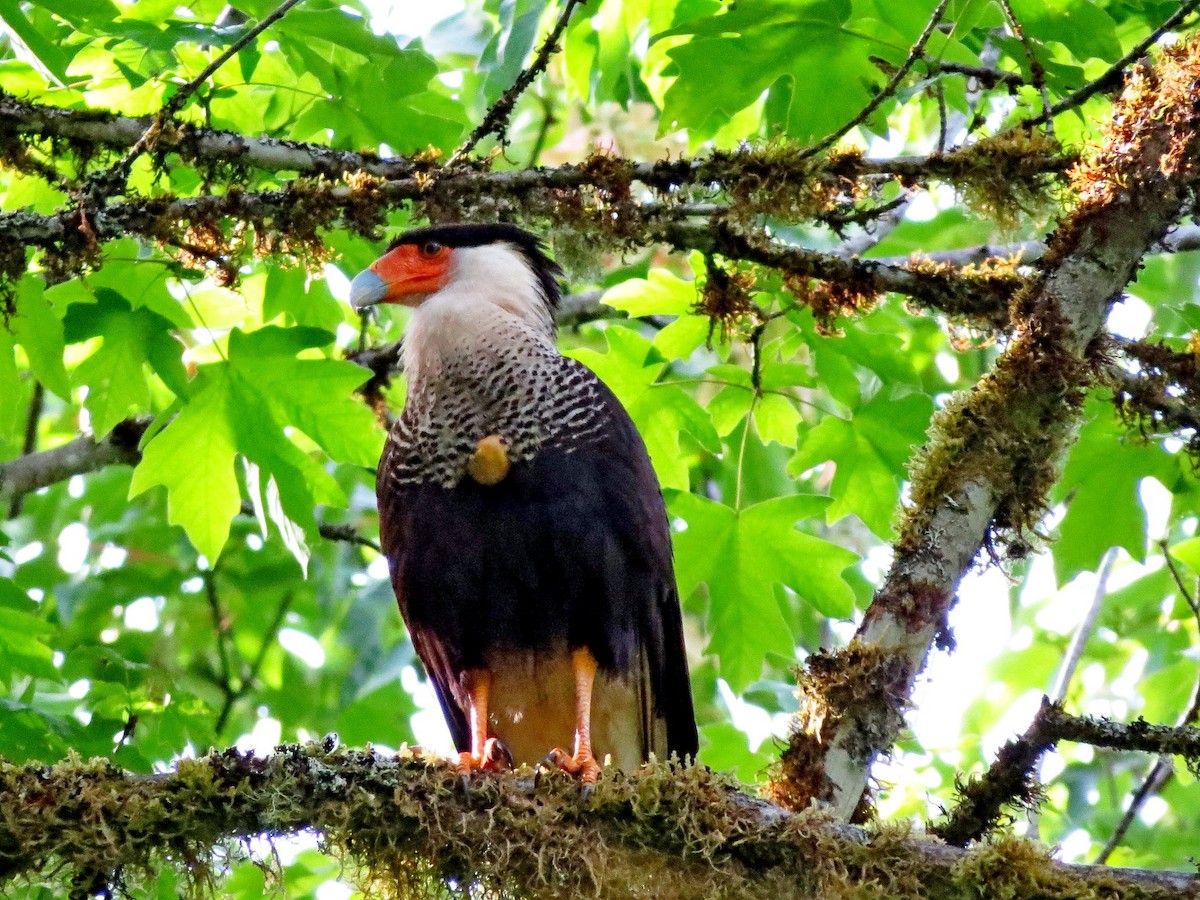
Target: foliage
<point x="202" y="597"/>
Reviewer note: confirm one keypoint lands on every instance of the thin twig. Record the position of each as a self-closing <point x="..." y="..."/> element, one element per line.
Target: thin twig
<point x="1037" y="71"/>
<point x="1112" y="78"/>
<point x="1079" y="640"/>
<point x="1163" y="769"/>
<point x="495" y="121"/>
<point x="1156" y="779"/>
<point x="1187" y="595"/>
<point x="251" y="676"/>
<point x="29" y="446"/>
<point x="539" y="142"/>
<point x="986" y="76"/>
<point x="888" y="90"/>
<point x="346" y="534"/>
<point x="121" y="168"/>
<point x="1070" y="663"/>
<point x="225" y="649"/>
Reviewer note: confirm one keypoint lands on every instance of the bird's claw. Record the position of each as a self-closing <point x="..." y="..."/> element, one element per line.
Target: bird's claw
<point x="582" y="766"/>
<point x="494" y="758"/>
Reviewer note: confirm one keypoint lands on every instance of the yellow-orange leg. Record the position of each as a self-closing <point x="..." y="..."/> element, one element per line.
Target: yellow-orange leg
<point x="479" y="689"/>
<point x="582" y="763"/>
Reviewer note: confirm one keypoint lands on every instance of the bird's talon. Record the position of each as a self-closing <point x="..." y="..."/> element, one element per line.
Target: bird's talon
<point x="555" y="759"/>
<point x="496" y="756"/>
<point x="582" y="766"/>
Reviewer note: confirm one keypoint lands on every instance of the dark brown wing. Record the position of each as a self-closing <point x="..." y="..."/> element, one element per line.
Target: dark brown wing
<point x="573" y="546"/>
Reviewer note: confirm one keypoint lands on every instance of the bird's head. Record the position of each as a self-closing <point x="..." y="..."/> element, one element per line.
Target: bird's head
<point x="497" y="263"/>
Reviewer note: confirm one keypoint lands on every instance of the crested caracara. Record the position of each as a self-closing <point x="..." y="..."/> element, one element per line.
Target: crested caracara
<point x="522" y="522"/>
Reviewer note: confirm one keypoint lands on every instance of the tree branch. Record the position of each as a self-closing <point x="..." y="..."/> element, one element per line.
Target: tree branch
<point x="982" y="481"/>
<point x="78" y="457"/>
<point x="1011" y="779"/>
<point x="1115" y="74"/>
<point x="986" y="76"/>
<point x="194" y="144"/>
<point x="404" y="824"/>
<point x="198" y="145"/>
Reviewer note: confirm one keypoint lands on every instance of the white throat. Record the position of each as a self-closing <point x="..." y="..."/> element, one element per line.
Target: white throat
<point x="492" y="301"/>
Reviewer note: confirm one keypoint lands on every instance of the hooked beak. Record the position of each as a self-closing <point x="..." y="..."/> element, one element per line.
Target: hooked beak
<point x="367" y="289"/>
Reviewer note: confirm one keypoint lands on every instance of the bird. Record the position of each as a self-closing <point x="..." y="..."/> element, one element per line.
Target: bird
<point x="525" y="530"/>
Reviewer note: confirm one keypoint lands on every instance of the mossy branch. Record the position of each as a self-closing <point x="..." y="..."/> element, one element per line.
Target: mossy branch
<point x="407" y="827"/>
<point x="1010" y="780"/>
<point x="213" y="228"/>
<point x="981" y="482"/>
<point x="90" y="130"/>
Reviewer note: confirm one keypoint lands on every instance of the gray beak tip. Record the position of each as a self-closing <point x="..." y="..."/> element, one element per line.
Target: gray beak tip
<point x="367" y="289"/>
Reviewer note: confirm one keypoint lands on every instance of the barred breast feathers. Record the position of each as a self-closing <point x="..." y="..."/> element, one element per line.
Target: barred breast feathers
<point x="481" y="360"/>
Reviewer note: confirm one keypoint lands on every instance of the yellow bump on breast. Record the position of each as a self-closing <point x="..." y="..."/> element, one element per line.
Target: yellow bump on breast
<point x="489" y="463"/>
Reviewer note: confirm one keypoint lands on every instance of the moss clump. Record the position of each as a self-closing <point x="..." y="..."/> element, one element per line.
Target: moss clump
<point x="860" y="677"/>
<point x="1010" y="431"/>
<point x="830" y="300"/>
<point x="1003" y="178"/>
<point x="987" y="287"/>
<point x="727" y="301"/>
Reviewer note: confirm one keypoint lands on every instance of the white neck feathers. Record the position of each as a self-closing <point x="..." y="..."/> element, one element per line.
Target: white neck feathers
<point x="492" y="291"/>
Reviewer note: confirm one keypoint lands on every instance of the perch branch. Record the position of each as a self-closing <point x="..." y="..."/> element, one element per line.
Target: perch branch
<point x="404" y="821"/>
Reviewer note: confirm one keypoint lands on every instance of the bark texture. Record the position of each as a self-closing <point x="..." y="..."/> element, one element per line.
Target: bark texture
<point x="981" y="482"/>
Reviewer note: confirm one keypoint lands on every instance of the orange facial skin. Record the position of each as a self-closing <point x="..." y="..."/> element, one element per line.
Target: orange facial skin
<point x="413" y="271"/>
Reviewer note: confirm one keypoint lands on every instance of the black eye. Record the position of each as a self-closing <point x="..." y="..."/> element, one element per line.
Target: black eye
<point x="430" y="248"/>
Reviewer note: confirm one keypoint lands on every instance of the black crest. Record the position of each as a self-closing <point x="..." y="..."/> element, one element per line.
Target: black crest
<point x="529" y="245"/>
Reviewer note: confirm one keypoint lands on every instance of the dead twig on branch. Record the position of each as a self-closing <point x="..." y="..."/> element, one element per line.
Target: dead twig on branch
<point x="495" y="121"/>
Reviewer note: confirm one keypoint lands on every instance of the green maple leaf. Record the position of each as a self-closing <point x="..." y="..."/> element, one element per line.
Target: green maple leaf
<point x="870" y="452"/>
<point x="741" y="556"/>
<point x="243" y="406"/>
<point x="10" y="384"/>
<point x="40" y="332"/>
<point x="1100" y="485"/>
<point x="314" y="394"/>
<point x="115" y="373"/>
<point x="807" y="47"/>
<point x="193" y="459"/>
